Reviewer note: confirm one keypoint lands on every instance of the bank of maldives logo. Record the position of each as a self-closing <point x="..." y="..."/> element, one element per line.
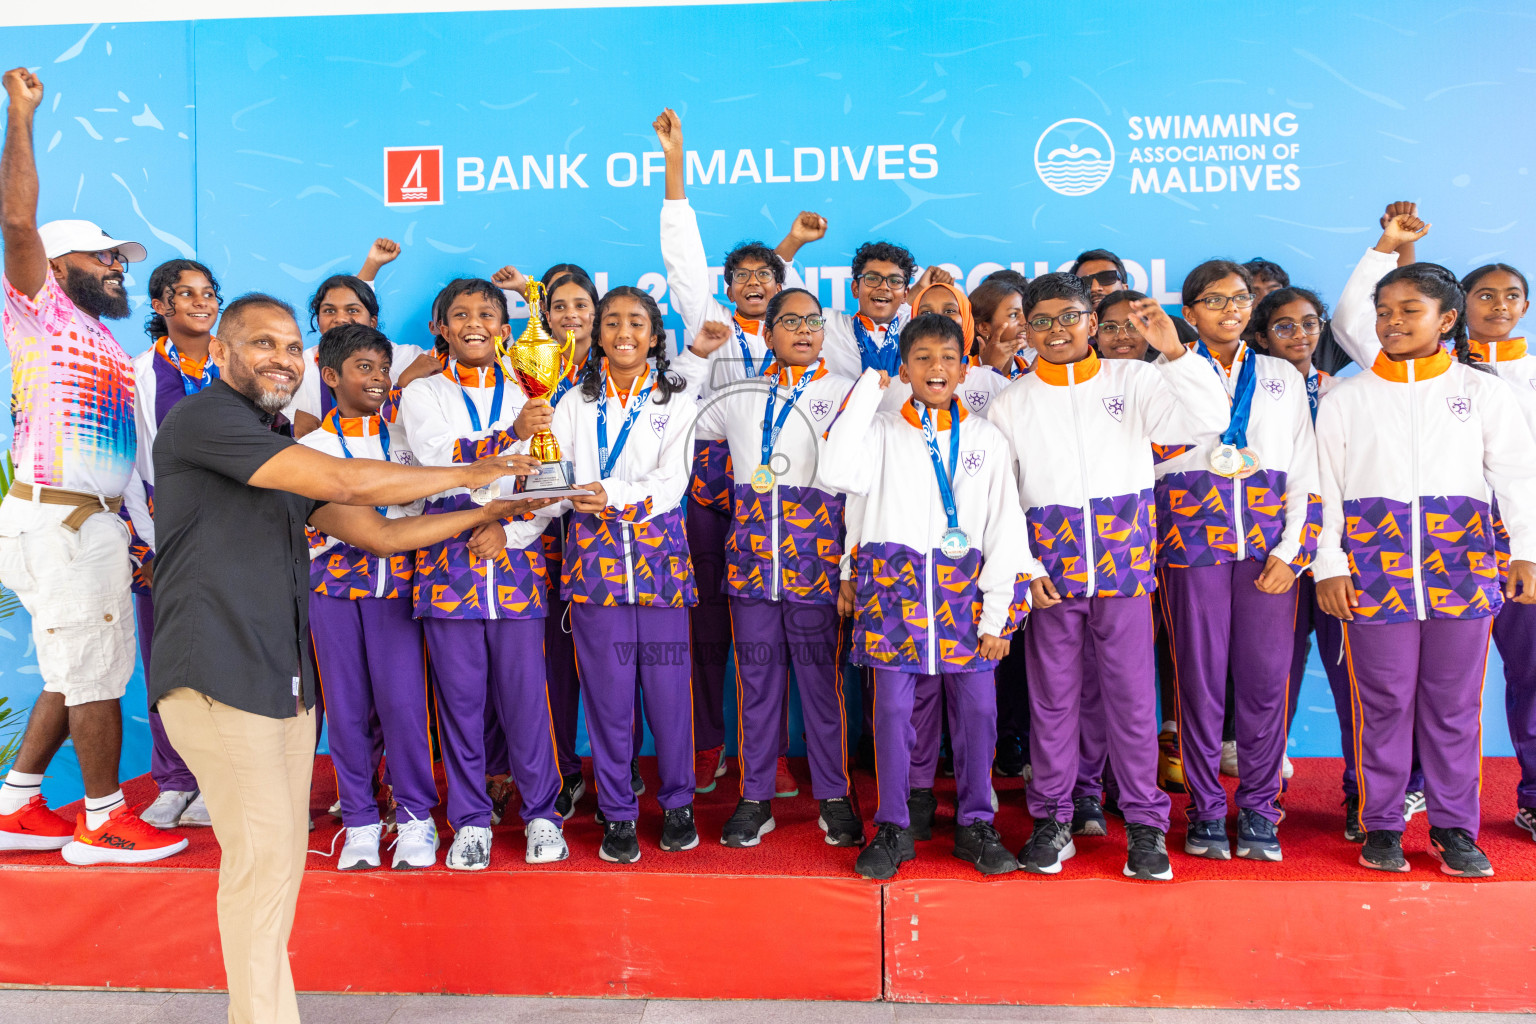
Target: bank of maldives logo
<point x="1074" y="157"/>
<point x="413" y="176"/>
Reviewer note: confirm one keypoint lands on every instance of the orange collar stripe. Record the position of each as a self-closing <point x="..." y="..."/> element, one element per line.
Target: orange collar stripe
<point x="1499" y="351"/>
<point x="1388" y="368"/>
<point x="941" y="422"/>
<point x="351" y="426"/>
<point x="1062" y="374"/>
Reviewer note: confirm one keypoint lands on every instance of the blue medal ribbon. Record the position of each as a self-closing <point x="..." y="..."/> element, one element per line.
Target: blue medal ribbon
<point x="1236" y="433"/>
<point x="566" y="383"/>
<point x="875" y="356"/>
<point x="771" y="425"/>
<point x="606" y="459"/>
<point x="945" y="477"/>
<point x="1314" y="392"/>
<point x="474" y="414"/>
<point x="746" y="352"/>
<point x="189" y="385"/>
<point x="334" y="419"/>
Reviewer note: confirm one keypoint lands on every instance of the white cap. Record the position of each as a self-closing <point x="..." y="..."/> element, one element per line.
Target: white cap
<point x="61" y="237"/>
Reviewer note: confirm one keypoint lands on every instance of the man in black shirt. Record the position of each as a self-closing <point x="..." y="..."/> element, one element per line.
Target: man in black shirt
<point x="232" y="672"/>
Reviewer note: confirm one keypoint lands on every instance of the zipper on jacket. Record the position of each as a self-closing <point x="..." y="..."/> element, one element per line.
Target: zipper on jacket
<point x="378" y="590"/>
<point x="774" y="589"/>
<point x="1413" y="461"/>
<point x="1082" y="473"/>
<point x="629" y="561"/>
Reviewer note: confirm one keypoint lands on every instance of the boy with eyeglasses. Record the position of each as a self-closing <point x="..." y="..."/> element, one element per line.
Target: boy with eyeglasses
<point x="754" y="273"/>
<point x="1087" y="496"/>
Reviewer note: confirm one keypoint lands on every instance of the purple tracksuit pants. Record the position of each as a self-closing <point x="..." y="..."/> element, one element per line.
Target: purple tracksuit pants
<point x="1119" y="631"/>
<point x="972" y="700"/>
<point x="373" y="665"/>
<point x="1515" y="633"/>
<point x="1418" y="686"/>
<point x="500" y="661"/>
<point x="615" y="646"/>
<point x="771" y="637"/>
<point x="1216" y="618"/>
<point x="709" y="622"/>
<point x="166" y="767"/>
<point x="1093" y="728"/>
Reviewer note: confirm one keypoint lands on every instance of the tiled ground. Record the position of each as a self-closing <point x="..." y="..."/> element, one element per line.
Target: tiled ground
<point x="32" y="1006"/>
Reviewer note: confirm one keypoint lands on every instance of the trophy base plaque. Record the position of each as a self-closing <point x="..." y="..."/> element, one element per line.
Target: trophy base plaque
<point x="551" y="476"/>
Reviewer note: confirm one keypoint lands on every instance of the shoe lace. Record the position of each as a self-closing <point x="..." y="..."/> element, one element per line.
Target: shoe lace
<point x="621" y="829"/>
<point x="1048" y="831"/>
<point x="1260" y="826"/>
<point x="1457" y="839"/>
<point x="745" y="811"/>
<point x="412" y="830"/>
<point x="335" y="836"/>
<point x="888" y="834"/>
<point x="1142" y="838"/>
<point x="1382" y="839"/>
<point x="678" y="815"/>
<point x="985" y="831"/>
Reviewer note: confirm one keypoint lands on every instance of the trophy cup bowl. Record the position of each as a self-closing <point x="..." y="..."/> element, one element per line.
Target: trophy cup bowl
<point x="537" y="363"/>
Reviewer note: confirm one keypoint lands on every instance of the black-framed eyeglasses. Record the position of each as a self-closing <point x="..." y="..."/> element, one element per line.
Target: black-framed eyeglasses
<point x="107" y="257"/>
<point x="1310" y="326"/>
<point x="1109" y="330"/>
<point x="1070" y="318"/>
<point x="1242" y="300"/>
<point x="792" y="321"/>
<point x="762" y="274"/>
<point x="1104" y="279"/>
<point x="874" y="280"/>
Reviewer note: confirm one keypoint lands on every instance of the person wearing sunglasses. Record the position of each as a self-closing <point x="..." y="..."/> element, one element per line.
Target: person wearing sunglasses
<point x="1101" y="272"/>
<point x="75" y="442"/>
<point x="1238" y="516"/>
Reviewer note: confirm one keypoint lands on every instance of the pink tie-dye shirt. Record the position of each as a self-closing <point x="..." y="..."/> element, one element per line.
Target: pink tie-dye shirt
<point x="71" y="395"/>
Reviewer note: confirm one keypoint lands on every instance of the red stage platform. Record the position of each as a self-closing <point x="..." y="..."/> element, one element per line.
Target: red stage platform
<point x="791" y="920"/>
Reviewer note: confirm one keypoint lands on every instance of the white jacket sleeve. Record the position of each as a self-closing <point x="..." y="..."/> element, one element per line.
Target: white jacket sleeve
<point x="712" y="416"/>
<point x="1183" y="402"/>
<point x="838" y="347"/>
<point x="853" y="532"/>
<point x="1354" y="318"/>
<point x="1509" y="464"/>
<point x="1332" y="450"/>
<point x="850" y="456"/>
<point x="1301" y="480"/>
<point x="682" y="252"/>
<point x="664" y="485"/>
<point x="1004" y="558"/>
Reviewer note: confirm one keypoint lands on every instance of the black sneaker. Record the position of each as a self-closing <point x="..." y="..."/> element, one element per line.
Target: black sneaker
<point x="1146" y="854"/>
<point x="1049" y="844"/>
<point x="752" y="820"/>
<point x="886" y="853"/>
<point x="1257" y="837"/>
<point x="1011" y="757"/>
<point x="620" y="844"/>
<point x="1525" y="817"/>
<point x="980" y="844"/>
<point x="1353" y="830"/>
<point x="1207" y="839"/>
<point x="921" y="807"/>
<point x="636" y="783"/>
<point x="865" y="759"/>
<point x="677" y="829"/>
<point x="1458" y="853"/>
<point x="1383" y="851"/>
<point x="1088" y="817"/>
<point x="840" y="823"/>
<point x="572" y="788"/>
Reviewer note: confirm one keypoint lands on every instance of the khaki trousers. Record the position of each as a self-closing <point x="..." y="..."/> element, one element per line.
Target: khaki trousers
<point x="254" y="773"/>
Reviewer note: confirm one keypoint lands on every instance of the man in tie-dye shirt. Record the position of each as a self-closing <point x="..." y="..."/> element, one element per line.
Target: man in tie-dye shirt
<point x="62" y="550"/>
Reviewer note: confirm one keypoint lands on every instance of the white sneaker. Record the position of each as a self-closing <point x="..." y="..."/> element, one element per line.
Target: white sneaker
<point x="165" y="812"/>
<point x="546" y="843"/>
<point x="196" y="815"/>
<point x="994" y="799"/>
<point x="1028" y="773"/>
<point x="416" y="845"/>
<point x="471" y="849"/>
<point x="1229" y="758"/>
<point x="361" y="849"/>
<point x="334" y="810"/>
<point x="1286" y="768"/>
<point x="1413" y="803"/>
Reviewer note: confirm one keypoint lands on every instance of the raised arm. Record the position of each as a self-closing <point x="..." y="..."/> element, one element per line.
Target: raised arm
<point x="26" y="263"/>
<point x="319" y="476"/>
<point x="382" y="251"/>
<point x="362" y="527"/>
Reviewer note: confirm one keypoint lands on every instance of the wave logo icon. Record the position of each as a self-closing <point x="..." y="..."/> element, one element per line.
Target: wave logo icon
<point x="1074" y="157"/>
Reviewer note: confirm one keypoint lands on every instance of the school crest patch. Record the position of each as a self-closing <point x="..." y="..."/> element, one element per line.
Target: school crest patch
<point x="1274" y="385"/>
<point x="819" y="407"/>
<point x="976" y="399"/>
<point x="1460" y="406"/>
<point x="973" y="460"/>
<point x="659" y="423"/>
<point x="1115" y="406"/>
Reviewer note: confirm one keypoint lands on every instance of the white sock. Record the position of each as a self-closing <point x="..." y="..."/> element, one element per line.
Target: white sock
<point x="19" y="788"/>
<point x="99" y="808"/>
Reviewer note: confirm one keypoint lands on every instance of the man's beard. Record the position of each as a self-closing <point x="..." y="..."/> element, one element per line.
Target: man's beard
<point x="244" y="380"/>
<point x="89" y="292"/>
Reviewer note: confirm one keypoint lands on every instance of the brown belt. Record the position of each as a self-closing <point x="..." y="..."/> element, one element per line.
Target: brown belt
<point x="85" y="505"/>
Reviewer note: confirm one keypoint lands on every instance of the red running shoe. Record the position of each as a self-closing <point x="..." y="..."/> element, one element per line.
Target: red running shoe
<point x="784" y="784"/>
<point x="34" y="827"/>
<point x="124" y="838"/>
<point x="708" y="765"/>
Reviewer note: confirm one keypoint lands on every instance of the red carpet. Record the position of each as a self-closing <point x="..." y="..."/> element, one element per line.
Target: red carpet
<point x="1312" y="835"/>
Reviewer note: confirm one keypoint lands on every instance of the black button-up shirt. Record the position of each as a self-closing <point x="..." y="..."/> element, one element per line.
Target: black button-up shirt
<point x="231" y="583"/>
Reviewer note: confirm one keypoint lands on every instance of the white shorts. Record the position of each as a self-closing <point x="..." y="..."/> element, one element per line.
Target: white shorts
<point x="76" y="588"/>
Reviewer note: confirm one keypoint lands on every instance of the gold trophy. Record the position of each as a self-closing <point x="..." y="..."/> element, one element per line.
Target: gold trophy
<point x="537" y="362"/>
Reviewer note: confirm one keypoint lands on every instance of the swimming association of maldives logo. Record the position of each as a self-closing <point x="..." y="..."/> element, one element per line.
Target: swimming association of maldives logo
<point x="1074" y="157"/>
<point x="413" y="175"/>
